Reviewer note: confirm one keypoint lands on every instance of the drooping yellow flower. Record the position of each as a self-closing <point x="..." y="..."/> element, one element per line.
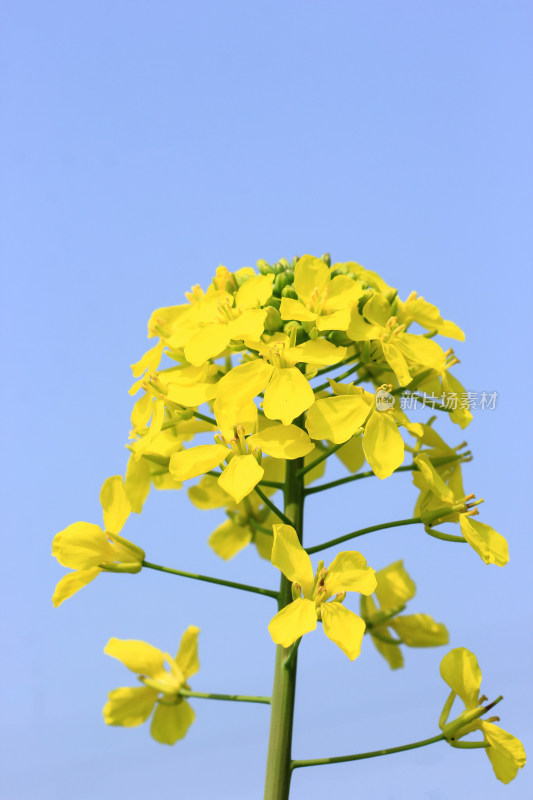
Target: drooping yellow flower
<point x="88" y="549"/>
<point x="319" y="596"/>
<point x="437" y="496"/>
<point x="322" y="300"/>
<point x="131" y="706"/>
<point x="460" y="669"/>
<point x="394" y="588"/>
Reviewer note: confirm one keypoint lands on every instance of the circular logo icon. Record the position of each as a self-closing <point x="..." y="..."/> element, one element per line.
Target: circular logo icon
<point x="384" y="400"/>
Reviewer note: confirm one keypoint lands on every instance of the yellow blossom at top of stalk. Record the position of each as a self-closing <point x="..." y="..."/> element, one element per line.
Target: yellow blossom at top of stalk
<point x="88" y="549"/>
<point x="319" y="595"/>
<point x="460" y="669"/>
<point x="131" y="706"/>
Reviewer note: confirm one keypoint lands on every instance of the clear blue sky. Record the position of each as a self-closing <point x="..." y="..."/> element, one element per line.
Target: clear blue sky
<point x="142" y="145"/>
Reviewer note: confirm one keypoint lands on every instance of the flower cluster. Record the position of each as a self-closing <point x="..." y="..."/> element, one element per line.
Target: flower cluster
<point x="250" y="386"/>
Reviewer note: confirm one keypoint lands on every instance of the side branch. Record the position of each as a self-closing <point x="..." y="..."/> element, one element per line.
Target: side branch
<point x="240" y="698"/>
<point x="326" y="454"/>
<point x="437" y="462"/>
<point x="317" y="762"/>
<point x="242" y="586"/>
<point x="396" y="524"/>
<point x="272" y="506"/>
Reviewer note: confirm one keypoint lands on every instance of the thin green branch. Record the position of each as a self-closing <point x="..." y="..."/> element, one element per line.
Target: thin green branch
<point x="272" y="484"/>
<point x="437" y="462"/>
<point x="316" y="762"/>
<point x="258" y="527"/>
<point x="396" y="524"/>
<point x="240" y="698"/>
<point x="325" y="370"/>
<point x="272" y="506"/>
<point x="326" y="454"/>
<point x="445" y="537"/>
<point x="243" y="586"/>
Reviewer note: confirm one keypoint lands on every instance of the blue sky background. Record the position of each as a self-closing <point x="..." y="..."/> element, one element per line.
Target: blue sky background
<point x="142" y="145"/>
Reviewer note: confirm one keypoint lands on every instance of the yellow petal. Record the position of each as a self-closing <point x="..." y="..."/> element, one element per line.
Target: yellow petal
<point x="171" y="722"/>
<point x="240" y="476"/>
<point x="427" y="479"/>
<point x="294" y="309"/>
<point x="348" y="572"/>
<point x="129" y="706"/>
<point x="343" y="291"/>
<point x="506" y="752"/>
<point x="310" y="273"/>
<point x="287" y="395"/>
<point x="422" y="352"/>
<point x="193" y="462"/>
<point x="150" y="360"/>
<point x="359" y="330"/>
<point x="396" y="361"/>
<point x="192" y="395"/>
<point x="336" y="418"/>
<point x="377" y="310"/>
<point x="460" y="670"/>
<point x="420" y="630"/>
<point x="343" y="627"/>
<point x="72" y="583"/>
<point x="82" y="546"/>
<point x="338" y="321"/>
<point x="293" y="621"/>
<point x="282" y="441"/>
<point x="254" y="292"/>
<point x="187" y="658"/>
<point x="115" y="504"/>
<point x="241" y="384"/>
<point x="316" y="351"/>
<point x="208" y="494"/>
<point x="289" y="556"/>
<point x="395" y="586"/>
<point x="450" y="385"/>
<point x="137" y="482"/>
<point x="490" y="545"/>
<point x="228" y="416"/>
<point x="229" y="538"/>
<point x="142" y="411"/>
<point x="390" y="652"/>
<point x="383" y="444"/>
<point x="249" y="325"/>
<point x="206" y="343"/>
<point x="140" y="657"/>
<point x="351" y="454"/>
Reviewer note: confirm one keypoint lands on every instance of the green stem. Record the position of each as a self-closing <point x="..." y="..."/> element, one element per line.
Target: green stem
<point x="437" y="462"/>
<point x="243" y="586"/>
<point x="445" y="537"/>
<point x="396" y="524"/>
<point x="326" y="454"/>
<point x="278" y="770"/>
<point x="325" y="370"/>
<point x="240" y="698"/>
<point x="316" y="762"/>
<point x="272" y="506"/>
<point x="339" y="377"/>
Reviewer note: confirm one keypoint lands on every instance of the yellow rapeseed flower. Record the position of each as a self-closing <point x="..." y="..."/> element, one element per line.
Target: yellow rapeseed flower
<point x="319" y="596"/>
<point x="131" y="706"/>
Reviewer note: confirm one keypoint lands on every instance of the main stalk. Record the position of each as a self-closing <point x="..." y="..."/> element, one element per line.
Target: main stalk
<point x="278" y="772"/>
